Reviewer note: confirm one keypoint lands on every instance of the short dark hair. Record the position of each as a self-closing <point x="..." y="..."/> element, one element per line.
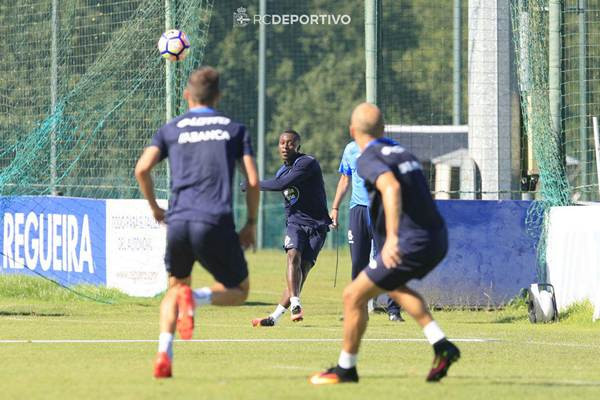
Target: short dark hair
<point x="203" y="85"/>
<point x="292" y="132"/>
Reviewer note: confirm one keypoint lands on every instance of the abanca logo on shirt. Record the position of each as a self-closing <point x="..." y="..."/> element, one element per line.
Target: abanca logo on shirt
<point x="202" y="136"/>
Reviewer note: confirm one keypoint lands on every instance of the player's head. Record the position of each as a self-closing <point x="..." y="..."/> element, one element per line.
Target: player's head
<point x="202" y="87"/>
<point x="289" y="144"/>
<point x="366" y="122"/>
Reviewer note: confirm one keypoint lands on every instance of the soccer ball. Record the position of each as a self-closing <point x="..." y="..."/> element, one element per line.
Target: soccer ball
<point x="173" y="45"/>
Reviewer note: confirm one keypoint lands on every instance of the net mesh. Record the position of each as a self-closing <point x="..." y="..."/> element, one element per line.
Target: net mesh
<point x="315" y="76"/>
<point x="580" y="31"/>
<point x="531" y="33"/>
<point x="82" y="93"/>
<point x="105" y="99"/>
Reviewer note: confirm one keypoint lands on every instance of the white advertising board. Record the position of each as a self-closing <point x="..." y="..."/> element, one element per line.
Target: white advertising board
<point x="573" y="255"/>
<point x="135" y="248"/>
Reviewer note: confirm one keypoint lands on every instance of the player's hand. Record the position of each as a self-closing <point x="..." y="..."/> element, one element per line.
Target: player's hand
<point x="158" y="214"/>
<point x="390" y="253"/>
<point x="334" y="218"/>
<point x="248" y="236"/>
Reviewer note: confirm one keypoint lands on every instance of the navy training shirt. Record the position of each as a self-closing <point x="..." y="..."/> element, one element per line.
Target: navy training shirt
<point x="301" y="184"/>
<point x="202" y="146"/>
<point x="419" y="214"/>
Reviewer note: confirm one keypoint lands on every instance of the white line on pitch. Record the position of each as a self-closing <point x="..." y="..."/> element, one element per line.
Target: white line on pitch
<point x="283" y="340"/>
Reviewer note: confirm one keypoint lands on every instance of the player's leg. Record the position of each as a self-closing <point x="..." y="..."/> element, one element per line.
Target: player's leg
<point x="313" y="243"/>
<point x="179" y="260"/>
<point x="389" y="305"/>
<point x="356" y="295"/>
<point x="218" y="250"/>
<point x="359" y="239"/>
<point x="227" y="296"/>
<point x="417" y="265"/>
<point x="284" y="302"/>
<point x="290" y="297"/>
<point x="445" y="351"/>
<point x="294" y="243"/>
<point x="295" y="278"/>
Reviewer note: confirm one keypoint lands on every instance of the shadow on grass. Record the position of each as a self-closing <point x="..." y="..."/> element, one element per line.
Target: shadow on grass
<point x="257" y="303"/>
<point x="483" y="380"/>
<point x="145" y="304"/>
<point x="525" y="382"/>
<point x="31" y="314"/>
<point x="510" y="319"/>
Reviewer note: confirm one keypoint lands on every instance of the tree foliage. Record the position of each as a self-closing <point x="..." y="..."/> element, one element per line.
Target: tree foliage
<point x="315" y="73"/>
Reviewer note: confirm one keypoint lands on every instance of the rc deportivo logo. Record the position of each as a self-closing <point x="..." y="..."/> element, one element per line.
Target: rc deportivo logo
<point x="240" y="17"/>
<point x="291" y="195"/>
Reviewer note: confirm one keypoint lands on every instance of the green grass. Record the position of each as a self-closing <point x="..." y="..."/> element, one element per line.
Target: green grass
<point x="549" y="361"/>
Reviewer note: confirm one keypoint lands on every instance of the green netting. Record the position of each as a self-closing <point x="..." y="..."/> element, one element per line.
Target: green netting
<point x="530" y="27"/>
<point x="315" y="76"/>
<point x="74" y="121"/>
<point x="81" y="94"/>
<point x="417" y="62"/>
<point x="581" y="90"/>
<point x="111" y="85"/>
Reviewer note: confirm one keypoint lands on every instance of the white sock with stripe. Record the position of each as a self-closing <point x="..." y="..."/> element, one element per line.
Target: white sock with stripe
<point x="279" y="311"/>
<point x="165" y="344"/>
<point x="294" y="301"/>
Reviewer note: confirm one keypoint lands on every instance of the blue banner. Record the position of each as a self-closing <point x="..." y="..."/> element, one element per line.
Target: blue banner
<point x="491" y="255"/>
<point x="63" y="239"/>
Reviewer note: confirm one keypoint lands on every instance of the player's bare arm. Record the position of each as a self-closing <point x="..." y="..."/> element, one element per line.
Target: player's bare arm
<point x="248" y="232"/>
<point x="146" y="162"/>
<point x="340" y="192"/>
<point x="391" y="197"/>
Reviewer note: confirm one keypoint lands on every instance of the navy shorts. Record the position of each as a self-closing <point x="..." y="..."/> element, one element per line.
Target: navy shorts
<point x="414" y="265"/>
<point x="307" y="240"/>
<point x="360" y="238"/>
<point x="216" y="247"/>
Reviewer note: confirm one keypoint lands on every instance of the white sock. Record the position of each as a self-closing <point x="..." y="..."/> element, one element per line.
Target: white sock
<point x="278" y="312"/>
<point x="433" y="333"/>
<point x="202" y="296"/>
<point x="347" y="360"/>
<point x="294" y="301"/>
<point x="165" y="344"/>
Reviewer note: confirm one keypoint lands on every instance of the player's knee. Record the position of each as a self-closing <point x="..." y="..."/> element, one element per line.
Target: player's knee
<point x="349" y="295"/>
<point x="355" y="297"/>
<point x="294" y="257"/>
<point x="175" y="281"/>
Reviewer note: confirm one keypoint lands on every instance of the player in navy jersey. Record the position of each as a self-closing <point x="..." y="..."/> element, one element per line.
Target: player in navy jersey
<point x="203" y="146"/>
<point x="413" y="240"/>
<point x="360" y="234"/>
<point x="301" y="182"/>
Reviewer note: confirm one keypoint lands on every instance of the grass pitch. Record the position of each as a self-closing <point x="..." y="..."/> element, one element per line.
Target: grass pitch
<point x="519" y="360"/>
